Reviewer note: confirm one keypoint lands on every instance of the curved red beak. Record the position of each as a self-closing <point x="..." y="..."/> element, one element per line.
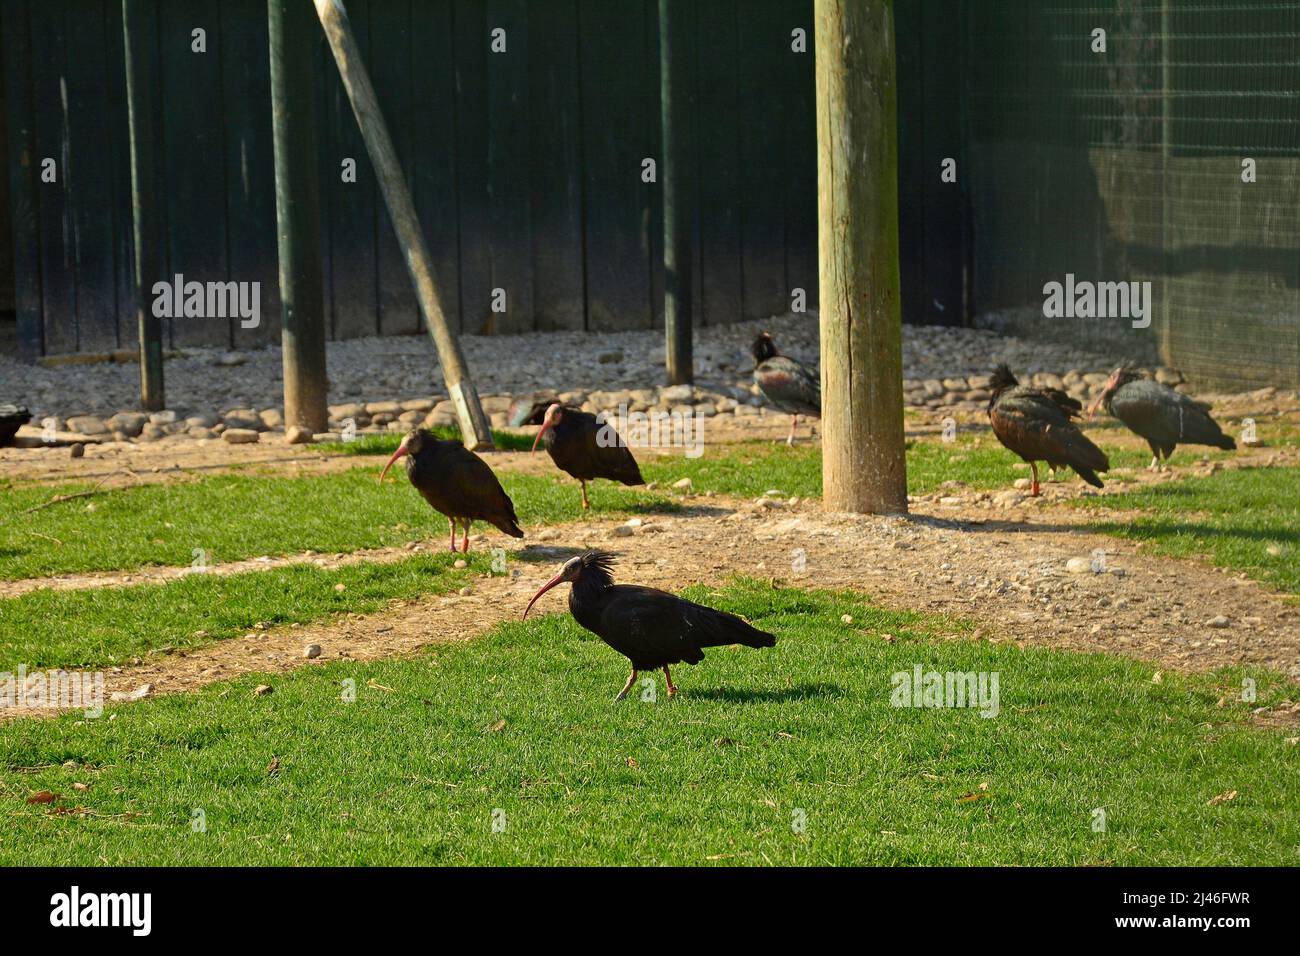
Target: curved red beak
<point x="546" y="423"/>
<point x="545" y="587"/>
<point x="401" y="450"/>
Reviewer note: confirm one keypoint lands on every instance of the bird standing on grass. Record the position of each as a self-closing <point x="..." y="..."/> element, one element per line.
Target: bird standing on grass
<point x="455" y="482"/>
<point x="651" y="628"/>
<point x="791" y="386"/>
<point x="1035" y="424"/>
<point x="585" y="448"/>
<point x="1164" y="417"/>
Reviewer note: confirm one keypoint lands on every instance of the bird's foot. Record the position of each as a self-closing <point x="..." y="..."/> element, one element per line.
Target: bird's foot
<point x="672" y="691"/>
<point x="620" y="696"/>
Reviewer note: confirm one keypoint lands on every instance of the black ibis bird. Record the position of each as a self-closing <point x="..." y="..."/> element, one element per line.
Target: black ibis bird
<point x="653" y="629"/>
<point x="1035" y="423"/>
<point x="12" y="418"/>
<point x="791" y="386"/>
<point x="585" y="448"/>
<point x="1164" y="417"/>
<point x="455" y="482"/>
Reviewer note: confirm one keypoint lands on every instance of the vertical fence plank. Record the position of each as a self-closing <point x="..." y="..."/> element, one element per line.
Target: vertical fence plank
<point x="615" y="141"/>
<point x="717" y="96"/>
<point x="433" y="172"/>
<point x="250" y="172"/>
<point x="556" y="214"/>
<point x="194" y="165"/>
<point x="24" y="189"/>
<point x="58" y="273"/>
<point x="391" y="61"/>
<point x="470" y="40"/>
<point x="763" y="41"/>
<point x="509" y="161"/>
<point x="86" y="178"/>
<point x="118" y="159"/>
<point x="354" y="206"/>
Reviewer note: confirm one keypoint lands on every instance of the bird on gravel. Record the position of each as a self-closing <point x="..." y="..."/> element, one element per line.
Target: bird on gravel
<point x="585" y="448"/>
<point x="1164" y="417"/>
<point x="652" y="628"/>
<point x="1035" y="423"/>
<point x="791" y="386"/>
<point x="455" y="482"/>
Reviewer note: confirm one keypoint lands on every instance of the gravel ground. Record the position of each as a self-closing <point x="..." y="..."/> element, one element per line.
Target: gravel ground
<point x="211" y="382"/>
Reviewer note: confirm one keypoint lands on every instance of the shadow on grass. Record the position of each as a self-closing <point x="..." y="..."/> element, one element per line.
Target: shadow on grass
<point x="740" y="695"/>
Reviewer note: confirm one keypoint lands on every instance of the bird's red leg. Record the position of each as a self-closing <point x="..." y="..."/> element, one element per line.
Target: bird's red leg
<point x="668" y="679"/>
<point x="1033" y="492"/>
<point x="622" y="695"/>
<point x="585" y="504"/>
<point x="464" y="542"/>
<point x="452" y="522"/>
<point x="794" y="420"/>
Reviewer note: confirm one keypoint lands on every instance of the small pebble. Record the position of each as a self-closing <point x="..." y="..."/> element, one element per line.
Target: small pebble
<point x="311" y="651"/>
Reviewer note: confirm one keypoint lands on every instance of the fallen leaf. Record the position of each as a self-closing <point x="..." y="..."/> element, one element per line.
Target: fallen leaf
<point x="273" y="768"/>
<point x="261" y="690"/>
<point x="1223" y="798"/>
<point x="972" y="797"/>
<point x="1157" y="677"/>
<point x="80" y="786"/>
<point x="42" y="796"/>
<point x="499" y="726"/>
<point x="631" y="762"/>
<point x="984" y="786"/>
<point x="375" y="685"/>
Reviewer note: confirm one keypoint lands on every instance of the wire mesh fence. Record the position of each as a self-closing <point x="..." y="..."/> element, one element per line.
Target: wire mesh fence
<point x="1166" y="150"/>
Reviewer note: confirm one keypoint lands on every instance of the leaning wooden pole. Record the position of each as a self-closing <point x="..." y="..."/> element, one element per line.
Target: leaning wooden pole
<point x="863" y="466"/>
<point x="292" y="34"/>
<point x="137" y="17"/>
<point x="401" y="210"/>
<point x="674" y="93"/>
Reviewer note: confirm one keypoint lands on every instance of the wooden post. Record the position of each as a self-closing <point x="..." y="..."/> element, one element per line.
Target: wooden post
<point x="674" y="93"/>
<point x="292" y="33"/>
<point x="863" y="465"/>
<point x="401" y="210"/>
<point x="138" y="52"/>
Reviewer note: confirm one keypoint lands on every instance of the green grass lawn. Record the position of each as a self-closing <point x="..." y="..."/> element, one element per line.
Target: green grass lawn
<point x="1247" y="519"/>
<point x="519" y="727"/>
<point x="100" y="627"/>
<point x="234" y="516"/>
<point x="230" y="517"/>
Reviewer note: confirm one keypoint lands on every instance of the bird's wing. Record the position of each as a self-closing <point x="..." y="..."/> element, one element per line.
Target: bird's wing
<point x="790" y="385"/>
<point x="477" y="486"/>
<point x="1032" y="425"/>
<point x="612" y="460"/>
<point x="648" y="624"/>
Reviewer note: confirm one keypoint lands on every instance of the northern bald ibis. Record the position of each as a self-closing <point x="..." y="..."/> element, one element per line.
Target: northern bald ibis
<point x="12" y="418"/>
<point x="1035" y="424"/>
<point x="651" y="628"/>
<point x="456" y="482"/>
<point x="1164" y="417"/>
<point x="791" y="386"/>
<point x="584" y="448"/>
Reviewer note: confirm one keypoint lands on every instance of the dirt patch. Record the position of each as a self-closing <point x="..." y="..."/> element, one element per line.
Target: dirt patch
<point x="1010" y="574"/>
